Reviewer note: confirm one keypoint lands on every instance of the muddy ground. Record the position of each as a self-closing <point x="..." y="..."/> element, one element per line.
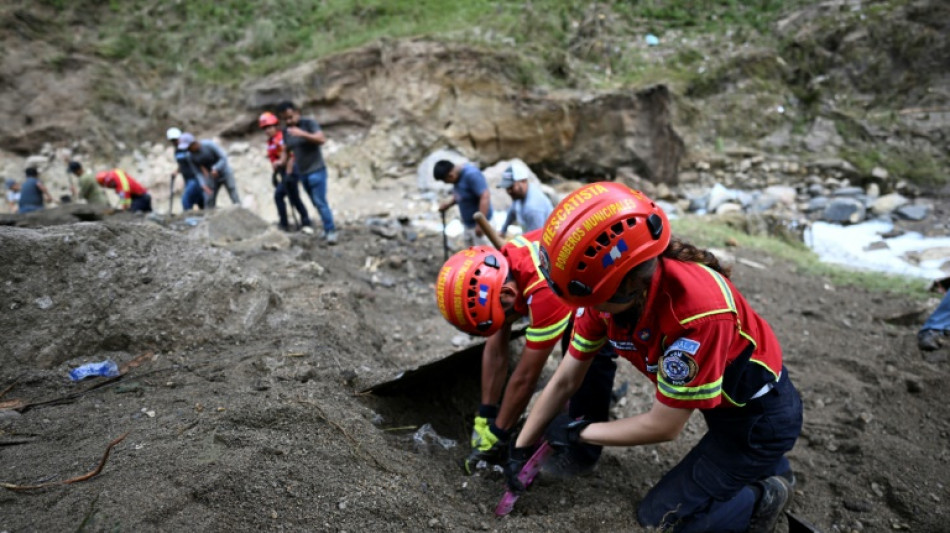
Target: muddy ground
<point x="249" y="414"/>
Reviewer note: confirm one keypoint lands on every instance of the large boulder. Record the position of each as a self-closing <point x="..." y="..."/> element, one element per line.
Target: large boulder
<point x="423" y="93"/>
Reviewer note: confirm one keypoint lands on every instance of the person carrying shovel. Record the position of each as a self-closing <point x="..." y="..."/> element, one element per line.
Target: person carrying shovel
<point x="670" y="309"/>
<point x="483" y="291"/>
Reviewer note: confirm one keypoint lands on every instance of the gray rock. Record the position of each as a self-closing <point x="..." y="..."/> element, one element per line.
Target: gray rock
<point x="844" y="211"/>
<point x="728" y="207"/>
<point x="817" y="204"/>
<point x="44" y="302"/>
<point x="763" y="203"/>
<point x="782" y="193"/>
<point x="816" y="189"/>
<point x="879" y="173"/>
<point x="888" y="203"/>
<point x="913" y="212"/>
<point x="850" y="192"/>
<point x="822" y="136"/>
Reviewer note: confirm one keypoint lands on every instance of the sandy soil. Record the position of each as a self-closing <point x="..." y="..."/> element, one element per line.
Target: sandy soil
<point x="249" y="415"/>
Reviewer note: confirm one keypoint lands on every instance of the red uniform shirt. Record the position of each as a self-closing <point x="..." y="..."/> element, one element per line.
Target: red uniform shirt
<point x="694" y="324"/>
<point x="125" y="186"/>
<point x="547" y="314"/>
<point x="275" y="146"/>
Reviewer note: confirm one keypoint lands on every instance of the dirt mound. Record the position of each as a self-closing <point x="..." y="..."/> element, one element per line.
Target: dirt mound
<point x="250" y="416"/>
<point x="74" y="291"/>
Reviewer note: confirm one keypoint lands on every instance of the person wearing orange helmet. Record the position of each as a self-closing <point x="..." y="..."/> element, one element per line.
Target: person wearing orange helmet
<point x="285" y="184"/>
<point x="132" y="195"/>
<point x="482" y="291"/>
<point x="670" y="309"/>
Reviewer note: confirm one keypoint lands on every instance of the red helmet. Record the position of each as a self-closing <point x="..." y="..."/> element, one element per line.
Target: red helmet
<point x="595" y="236"/>
<point x="101" y="177"/>
<point x="267" y="119"/>
<point x="468" y="290"/>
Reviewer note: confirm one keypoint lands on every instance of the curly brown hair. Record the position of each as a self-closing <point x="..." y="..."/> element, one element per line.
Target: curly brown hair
<point x="683" y="251"/>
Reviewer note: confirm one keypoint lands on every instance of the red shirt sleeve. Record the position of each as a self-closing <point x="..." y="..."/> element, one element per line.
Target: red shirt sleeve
<point x="548" y="319"/>
<point x="589" y="335"/>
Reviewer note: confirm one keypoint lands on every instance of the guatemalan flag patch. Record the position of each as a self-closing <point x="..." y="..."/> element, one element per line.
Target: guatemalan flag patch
<point x="482" y="294"/>
<point x="614" y="253"/>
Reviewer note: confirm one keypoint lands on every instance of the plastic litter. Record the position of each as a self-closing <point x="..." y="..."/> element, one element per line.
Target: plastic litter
<point x="652" y="40"/>
<point x="106" y="368"/>
<point x="425" y="437"/>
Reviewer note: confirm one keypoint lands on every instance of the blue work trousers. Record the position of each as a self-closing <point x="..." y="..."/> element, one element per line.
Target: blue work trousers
<point x="940" y="318"/>
<point x="316" y="184"/>
<point x="141" y="203"/>
<point x="711" y="489"/>
<point x="193" y="195"/>
<point x="288" y="188"/>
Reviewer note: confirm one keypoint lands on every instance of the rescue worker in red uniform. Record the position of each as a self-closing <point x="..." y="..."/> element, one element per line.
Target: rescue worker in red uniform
<point x="670" y="309"/>
<point x="482" y="291"/>
<point x="132" y="195"/>
<point x="285" y="184"/>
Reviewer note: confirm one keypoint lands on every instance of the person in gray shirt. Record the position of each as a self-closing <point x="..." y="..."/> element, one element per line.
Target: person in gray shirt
<point x="303" y="138"/>
<point x="529" y="206"/>
<point x="213" y="164"/>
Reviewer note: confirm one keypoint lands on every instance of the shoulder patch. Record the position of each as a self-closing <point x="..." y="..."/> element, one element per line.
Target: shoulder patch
<point x="684" y="344"/>
<point x="678" y="367"/>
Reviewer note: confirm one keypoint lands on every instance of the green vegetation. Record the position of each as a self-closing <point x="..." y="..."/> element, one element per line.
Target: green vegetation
<point x="227" y="40"/>
<point x="708" y="232"/>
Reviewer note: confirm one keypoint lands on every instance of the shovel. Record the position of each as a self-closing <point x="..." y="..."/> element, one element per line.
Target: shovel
<point x="488" y="230"/>
<point x="445" y="240"/>
<point x="171" y="194"/>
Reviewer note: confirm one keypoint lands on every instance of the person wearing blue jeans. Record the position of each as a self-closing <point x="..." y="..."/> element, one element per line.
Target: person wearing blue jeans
<point x="316" y="185"/>
<point x="936" y="326"/>
<point x="303" y="139"/>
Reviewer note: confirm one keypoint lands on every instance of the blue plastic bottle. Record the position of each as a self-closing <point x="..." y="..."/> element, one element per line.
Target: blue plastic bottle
<point x="106" y="368"/>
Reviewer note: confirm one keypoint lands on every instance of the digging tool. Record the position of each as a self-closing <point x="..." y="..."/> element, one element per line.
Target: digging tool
<point x="445" y="240"/>
<point x="526" y="477"/>
<point x="72" y="187"/>
<point x="171" y="194"/>
<point x="488" y="230"/>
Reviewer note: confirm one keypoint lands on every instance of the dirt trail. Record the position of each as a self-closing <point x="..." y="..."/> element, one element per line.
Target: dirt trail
<point x="249" y="418"/>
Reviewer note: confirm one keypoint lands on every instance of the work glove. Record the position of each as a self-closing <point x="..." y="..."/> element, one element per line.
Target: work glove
<point x="517" y="458"/>
<point x="564" y="432"/>
<point x="486" y="445"/>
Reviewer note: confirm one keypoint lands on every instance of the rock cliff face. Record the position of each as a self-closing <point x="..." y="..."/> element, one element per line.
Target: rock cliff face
<point x="441" y="95"/>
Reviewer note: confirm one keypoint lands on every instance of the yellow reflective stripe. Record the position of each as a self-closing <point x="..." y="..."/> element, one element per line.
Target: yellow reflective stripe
<point x="765" y="366"/>
<point x="124" y="182"/>
<point x="548" y="333"/>
<point x="520" y="242"/>
<point x="726" y="294"/>
<point x="748" y="337"/>
<point x="730" y="400"/>
<point x="533" y="250"/>
<point x="586" y="346"/>
<point x="676" y="392"/>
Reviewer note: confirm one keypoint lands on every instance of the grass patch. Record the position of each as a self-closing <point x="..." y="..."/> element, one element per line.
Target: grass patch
<point x="232" y="40"/>
<point x="919" y="167"/>
<point x="709" y="232"/>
